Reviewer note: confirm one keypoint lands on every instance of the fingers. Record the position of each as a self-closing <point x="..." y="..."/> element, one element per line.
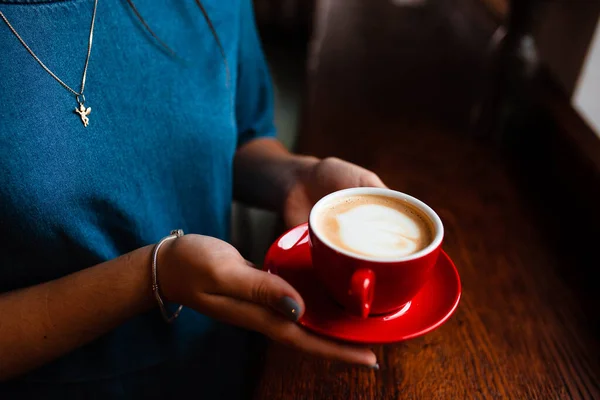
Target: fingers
<point x="255" y="317"/>
<point x="246" y="282"/>
<point x="370" y="179"/>
<point x="295" y="336"/>
<point x="336" y="174"/>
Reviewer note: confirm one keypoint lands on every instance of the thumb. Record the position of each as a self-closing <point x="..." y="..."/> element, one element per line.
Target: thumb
<point x="253" y="285"/>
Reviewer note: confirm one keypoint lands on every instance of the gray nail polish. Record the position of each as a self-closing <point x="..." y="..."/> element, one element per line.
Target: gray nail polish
<point x="289" y="308"/>
<point x="374" y="366"/>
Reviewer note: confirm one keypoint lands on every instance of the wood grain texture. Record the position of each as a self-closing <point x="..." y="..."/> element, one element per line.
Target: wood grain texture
<point x="390" y="88"/>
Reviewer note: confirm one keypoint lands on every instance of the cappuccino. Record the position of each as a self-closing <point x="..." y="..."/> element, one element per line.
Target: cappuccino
<point x="374" y="226"/>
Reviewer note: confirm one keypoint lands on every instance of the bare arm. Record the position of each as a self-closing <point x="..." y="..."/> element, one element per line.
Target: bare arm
<point x="267" y="175"/>
<point x="265" y="171"/>
<point x="40" y="323"/>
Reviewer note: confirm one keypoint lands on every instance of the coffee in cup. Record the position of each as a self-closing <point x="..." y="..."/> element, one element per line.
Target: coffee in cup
<point x="372" y="225"/>
<point x="373" y="249"/>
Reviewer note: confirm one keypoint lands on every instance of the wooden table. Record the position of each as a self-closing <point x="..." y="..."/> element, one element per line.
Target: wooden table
<point x="390" y="88"/>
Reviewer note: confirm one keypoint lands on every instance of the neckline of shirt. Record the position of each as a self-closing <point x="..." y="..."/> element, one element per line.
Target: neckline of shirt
<point x="26" y="2"/>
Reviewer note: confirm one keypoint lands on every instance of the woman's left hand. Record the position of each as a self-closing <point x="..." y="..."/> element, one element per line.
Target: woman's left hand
<point x="319" y="179"/>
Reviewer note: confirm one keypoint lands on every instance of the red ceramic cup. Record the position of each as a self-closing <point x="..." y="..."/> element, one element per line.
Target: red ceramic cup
<point x="369" y="286"/>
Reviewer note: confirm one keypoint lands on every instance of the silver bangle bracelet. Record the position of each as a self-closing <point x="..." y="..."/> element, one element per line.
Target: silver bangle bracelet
<point x="161" y="304"/>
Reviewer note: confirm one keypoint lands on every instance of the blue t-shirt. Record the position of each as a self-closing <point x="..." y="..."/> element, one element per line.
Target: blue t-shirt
<point x="157" y="154"/>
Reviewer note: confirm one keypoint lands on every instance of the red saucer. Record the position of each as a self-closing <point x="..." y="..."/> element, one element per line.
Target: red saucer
<point x="289" y="257"/>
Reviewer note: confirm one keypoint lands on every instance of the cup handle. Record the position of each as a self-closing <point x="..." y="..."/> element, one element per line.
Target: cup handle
<point x="362" y="287"/>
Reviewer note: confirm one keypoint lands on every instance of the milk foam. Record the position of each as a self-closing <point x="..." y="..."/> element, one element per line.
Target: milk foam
<point x="379" y="231"/>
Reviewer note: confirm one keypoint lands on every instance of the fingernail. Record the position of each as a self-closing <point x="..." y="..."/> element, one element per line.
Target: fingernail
<point x="374" y="366"/>
<point x="289" y="308"/>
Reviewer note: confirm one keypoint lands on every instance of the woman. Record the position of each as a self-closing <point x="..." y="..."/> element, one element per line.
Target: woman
<point x="172" y="119"/>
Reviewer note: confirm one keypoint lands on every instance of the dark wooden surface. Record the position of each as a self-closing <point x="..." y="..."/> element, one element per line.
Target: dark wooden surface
<point x="391" y="88"/>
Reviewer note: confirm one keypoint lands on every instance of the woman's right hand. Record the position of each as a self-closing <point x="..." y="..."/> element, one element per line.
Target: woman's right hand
<point x="211" y="277"/>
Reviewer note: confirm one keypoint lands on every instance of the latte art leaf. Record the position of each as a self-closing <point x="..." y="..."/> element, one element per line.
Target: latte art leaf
<point x="378" y="231"/>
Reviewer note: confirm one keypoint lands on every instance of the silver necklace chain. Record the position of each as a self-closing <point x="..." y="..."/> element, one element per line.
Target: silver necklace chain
<point x="79" y="96"/>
